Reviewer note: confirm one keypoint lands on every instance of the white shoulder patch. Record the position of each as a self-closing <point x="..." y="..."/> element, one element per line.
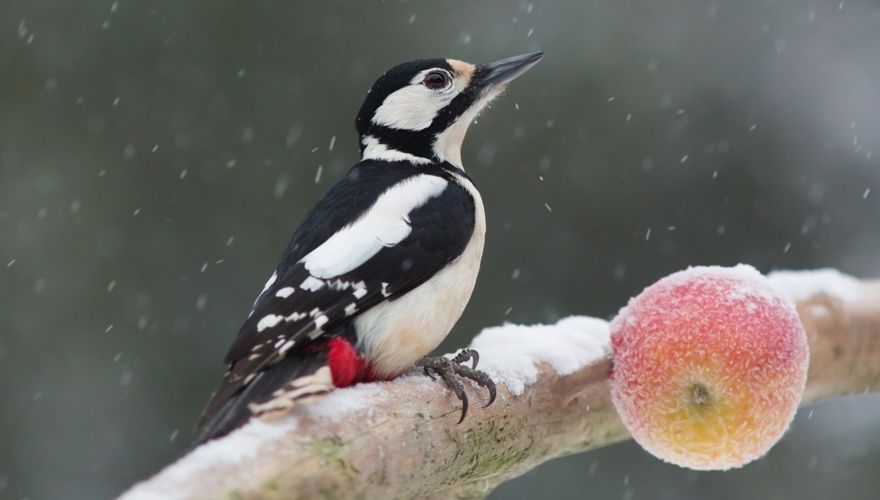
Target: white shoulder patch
<point x="385" y="224"/>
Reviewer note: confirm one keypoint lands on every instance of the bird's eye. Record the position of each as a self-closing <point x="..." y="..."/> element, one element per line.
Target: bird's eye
<point x="436" y="80"/>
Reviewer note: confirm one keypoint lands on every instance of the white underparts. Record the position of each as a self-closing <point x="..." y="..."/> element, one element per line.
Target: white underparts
<point x="394" y="334"/>
<point x="385" y="224"/>
<point x="375" y="150"/>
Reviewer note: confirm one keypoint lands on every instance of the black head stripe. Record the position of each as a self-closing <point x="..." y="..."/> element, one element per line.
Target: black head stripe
<point x="393" y="80"/>
<point x="420" y="142"/>
<point x="459" y="105"/>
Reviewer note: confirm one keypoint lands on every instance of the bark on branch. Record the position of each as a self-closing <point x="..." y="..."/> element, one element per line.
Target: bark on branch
<point x="400" y="439"/>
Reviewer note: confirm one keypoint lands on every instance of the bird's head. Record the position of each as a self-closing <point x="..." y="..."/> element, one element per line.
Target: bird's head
<point x="420" y="110"/>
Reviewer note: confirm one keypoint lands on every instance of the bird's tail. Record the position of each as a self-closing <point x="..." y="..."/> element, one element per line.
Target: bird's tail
<point x="275" y="390"/>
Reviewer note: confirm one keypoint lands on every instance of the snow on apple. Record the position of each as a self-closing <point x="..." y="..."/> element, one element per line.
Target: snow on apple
<point x="709" y="367"/>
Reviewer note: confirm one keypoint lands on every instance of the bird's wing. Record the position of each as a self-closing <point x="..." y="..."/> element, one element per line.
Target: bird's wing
<point x="411" y="231"/>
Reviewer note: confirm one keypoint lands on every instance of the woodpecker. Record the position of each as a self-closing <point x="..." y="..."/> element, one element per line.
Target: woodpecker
<point x="383" y="266"/>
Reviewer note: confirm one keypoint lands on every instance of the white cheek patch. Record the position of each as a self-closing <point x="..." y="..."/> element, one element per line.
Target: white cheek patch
<point x="415" y="106"/>
<point x="385" y="224"/>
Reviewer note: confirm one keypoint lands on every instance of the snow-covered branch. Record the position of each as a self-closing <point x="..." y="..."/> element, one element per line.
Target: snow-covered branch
<point x="400" y="439"/>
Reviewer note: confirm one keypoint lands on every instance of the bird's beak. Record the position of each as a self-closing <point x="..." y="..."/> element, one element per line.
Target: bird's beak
<point x="498" y="73"/>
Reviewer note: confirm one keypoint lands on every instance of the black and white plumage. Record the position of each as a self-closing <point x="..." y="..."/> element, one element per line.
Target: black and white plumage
<point x="382" y="267"/>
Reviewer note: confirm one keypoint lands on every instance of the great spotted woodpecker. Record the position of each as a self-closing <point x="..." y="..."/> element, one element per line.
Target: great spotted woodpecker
<point x="382" y="267"/>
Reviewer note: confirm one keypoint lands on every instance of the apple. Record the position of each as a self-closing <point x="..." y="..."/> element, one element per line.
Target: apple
<point x="710" y="366"/>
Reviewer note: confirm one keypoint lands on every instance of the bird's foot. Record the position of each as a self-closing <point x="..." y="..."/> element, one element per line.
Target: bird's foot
<point x="452" y="370"/>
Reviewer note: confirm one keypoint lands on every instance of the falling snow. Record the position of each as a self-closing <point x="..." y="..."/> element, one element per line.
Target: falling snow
<point x="281" y="186"/>
<point x="84" y="206"/>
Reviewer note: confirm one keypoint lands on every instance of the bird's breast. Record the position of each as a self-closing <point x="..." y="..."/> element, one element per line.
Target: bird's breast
<point x="395" y="334"/>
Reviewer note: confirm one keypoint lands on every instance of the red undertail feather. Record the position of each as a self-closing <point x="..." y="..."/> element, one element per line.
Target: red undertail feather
<point x="346" y="365"/>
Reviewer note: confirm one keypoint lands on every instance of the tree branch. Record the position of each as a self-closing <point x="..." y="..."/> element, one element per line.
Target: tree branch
<point x="400" y="438"/>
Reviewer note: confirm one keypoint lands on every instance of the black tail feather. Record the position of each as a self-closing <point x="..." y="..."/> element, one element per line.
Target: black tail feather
<point x="235" y="412"/>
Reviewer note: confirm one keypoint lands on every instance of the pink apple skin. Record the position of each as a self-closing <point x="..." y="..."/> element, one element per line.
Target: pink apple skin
<point x="709" y="367"/>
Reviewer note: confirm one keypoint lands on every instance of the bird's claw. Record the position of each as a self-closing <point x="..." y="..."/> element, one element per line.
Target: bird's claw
<point x="467" y="354"/>
<point x="451" y="370"/>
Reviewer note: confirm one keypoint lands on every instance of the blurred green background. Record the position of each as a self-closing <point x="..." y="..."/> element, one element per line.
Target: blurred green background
<point x="156" y="155"/>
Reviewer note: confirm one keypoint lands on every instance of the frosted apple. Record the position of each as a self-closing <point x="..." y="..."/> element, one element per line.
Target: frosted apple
<point x="709" y="367"/>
